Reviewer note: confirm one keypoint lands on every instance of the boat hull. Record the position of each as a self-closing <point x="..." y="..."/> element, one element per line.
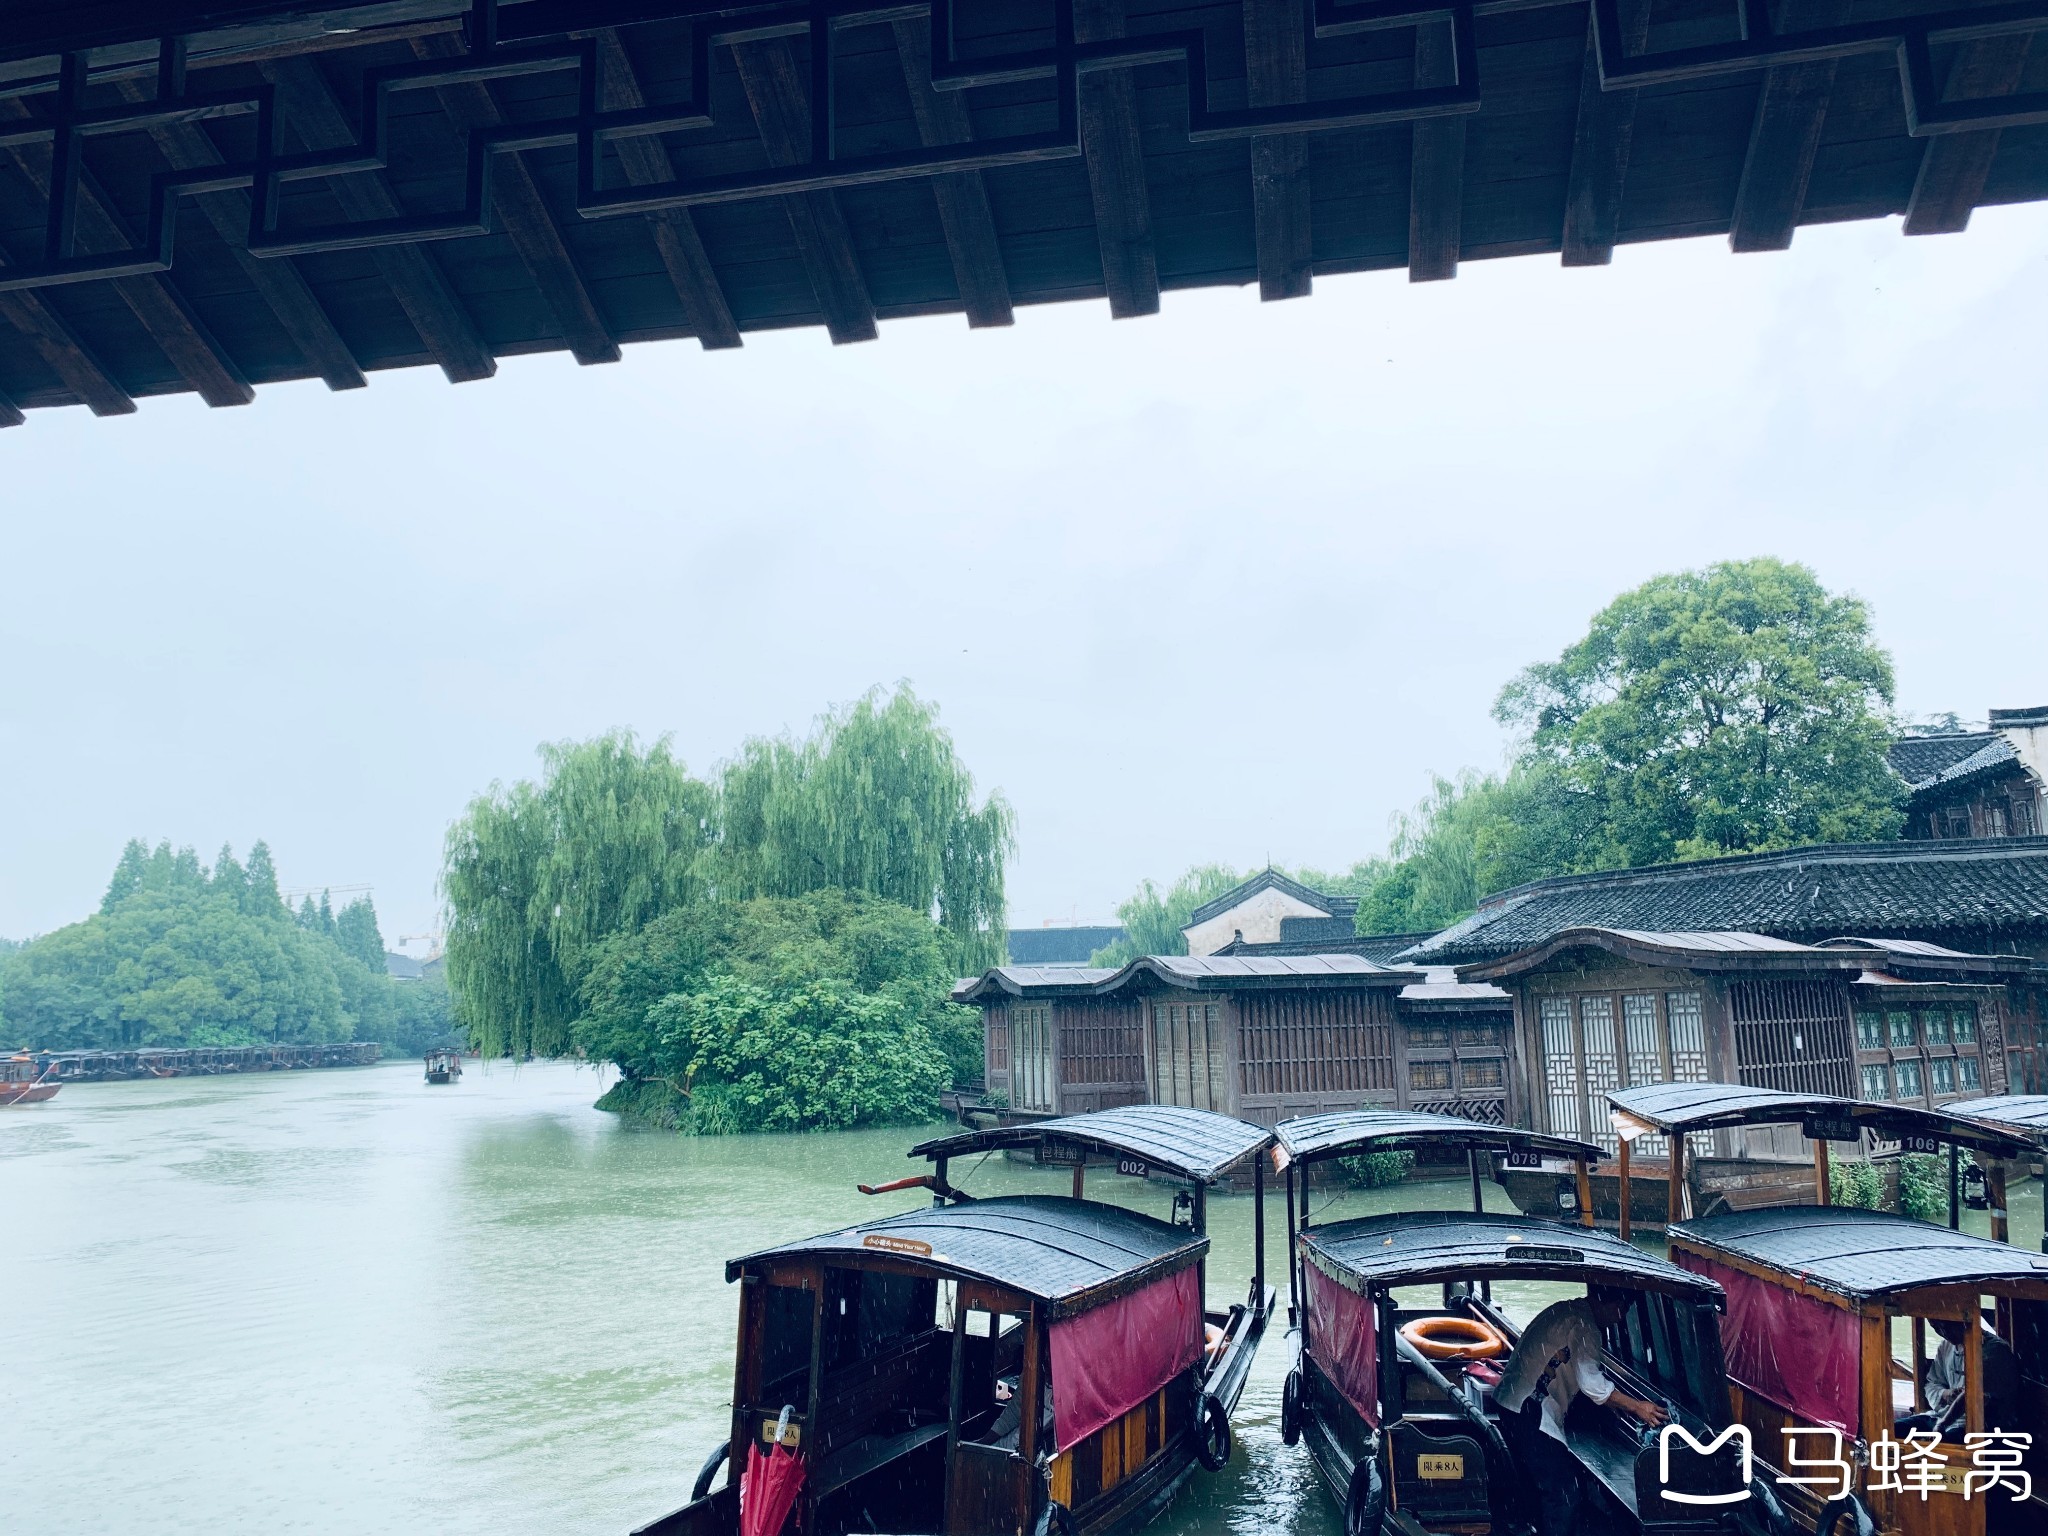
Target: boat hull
<point x="12" y="1094"/>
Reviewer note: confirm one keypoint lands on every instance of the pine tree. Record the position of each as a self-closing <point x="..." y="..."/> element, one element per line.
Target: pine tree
<point x="325" y="922"/>
<point x="308" y="916"/>
<point x="229" y="878"/>
<point x="128" y="875"/>
<point x="261" y="898"/>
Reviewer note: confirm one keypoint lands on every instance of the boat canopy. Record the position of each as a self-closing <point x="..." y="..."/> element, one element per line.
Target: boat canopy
<point x="1860" y="1255"/>
<point x="1191" y="1144"/>
<point x="1421" y="1247"/>
<point x="1311" y="1138"/>
<point x="1675" y="1107"/>
<point x="1073" y="1255"/>
<point x="2023" y="1112"/>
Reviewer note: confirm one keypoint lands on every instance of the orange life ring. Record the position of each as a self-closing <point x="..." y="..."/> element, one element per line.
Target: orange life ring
<point x="1455" y="1338"/>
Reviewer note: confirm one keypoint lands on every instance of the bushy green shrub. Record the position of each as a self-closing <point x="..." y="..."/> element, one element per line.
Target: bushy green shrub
<point x="1923" y="1187"/>
<point x="1375" y="1170"/>
<point x="1855" y="1183"/>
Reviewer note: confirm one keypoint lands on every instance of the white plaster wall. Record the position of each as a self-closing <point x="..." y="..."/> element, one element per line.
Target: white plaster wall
<point x="2031" y="742"/>
<point x="1258" y="918"/>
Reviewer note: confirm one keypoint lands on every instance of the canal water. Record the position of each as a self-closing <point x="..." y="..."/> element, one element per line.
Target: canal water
<point x="345" y="1302"/>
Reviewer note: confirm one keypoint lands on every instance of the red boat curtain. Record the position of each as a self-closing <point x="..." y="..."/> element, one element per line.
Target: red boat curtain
<point x="1110" y="1359"/>
<point x="1800" y="1353"/>
<point x="1343" y="1339"/>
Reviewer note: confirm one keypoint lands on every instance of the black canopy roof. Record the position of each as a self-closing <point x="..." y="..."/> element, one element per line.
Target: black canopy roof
<point x="1416" y="1248"/>
<point x="1862" y="1254"/>
<point x="2026" y="1112"/>
<point x="1188" y="1143"/>
<point x="1310" y="1138"/>
<point x="1714" y="1106"/>
<point x="1071" y="1254"/>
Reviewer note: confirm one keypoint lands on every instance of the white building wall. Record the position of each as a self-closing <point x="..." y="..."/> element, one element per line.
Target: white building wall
<point x="1257" y="918"/>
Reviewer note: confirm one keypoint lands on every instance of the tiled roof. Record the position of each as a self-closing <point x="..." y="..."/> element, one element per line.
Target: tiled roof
<point x="1920" y="760"/>
<point x="1968" y="891"/>
<point x="1328" y="936"/>
<point x="1272" y="880"/>
<point x="1226" y="967"/>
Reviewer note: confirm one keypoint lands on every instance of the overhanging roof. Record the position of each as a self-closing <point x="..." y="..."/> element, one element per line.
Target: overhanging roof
<point x="1418" y="1247"/>
<point x="1311" y="1138"/>
<point x="1201" y="973"/>
<point x="1860" y="1254"/>
<point x="2022" y="1112"/>
<point x="1718" y="1106"/>
<point x="1185" y="1143"/>
<point x="1066" y="1252"/>
<point x="700" y="190"/>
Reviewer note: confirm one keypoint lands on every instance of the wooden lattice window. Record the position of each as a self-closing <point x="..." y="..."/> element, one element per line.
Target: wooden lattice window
<point x="1102" y="1043"/>
<point x="1561" y="1066"/>
<point x="1031" y="1083"/>
<point x="1917" y="1051"/>
<point x="999" y="1042"/>
<point x="1316" y="1044"/>
<point x="1190" y="1058"/>
<point x="1793" y="1035"/>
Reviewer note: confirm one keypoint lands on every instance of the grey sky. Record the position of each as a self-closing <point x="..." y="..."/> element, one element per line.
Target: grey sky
<point x="1227" y="583"/>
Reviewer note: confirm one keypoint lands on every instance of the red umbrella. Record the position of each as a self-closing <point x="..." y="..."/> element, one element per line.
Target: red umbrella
<point x="769" y="1487"/>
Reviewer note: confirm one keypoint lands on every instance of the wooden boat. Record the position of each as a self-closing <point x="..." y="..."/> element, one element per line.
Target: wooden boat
<point x="1815" y="1292"/>
<point x="1411" y="1444"/>
<point x="892" y="1369"/>
<point x="24" y="1081"/>
<point x="444" y="1066"/>
<point x="1719" y="1183"/>
<point x="2024" y="1113"/>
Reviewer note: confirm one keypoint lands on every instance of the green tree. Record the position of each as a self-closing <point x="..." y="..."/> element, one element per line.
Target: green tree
<point x="1736" y="708"/>
<point x="129" y="874"/>
<point x="356" y="934"/>
<point x="1153" y="919"/>
<point x="875" y="800"/>
<point x="261" y="898"/>
<point x="229" y="879"/>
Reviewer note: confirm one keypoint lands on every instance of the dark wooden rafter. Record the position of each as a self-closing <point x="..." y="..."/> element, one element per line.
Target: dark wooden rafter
<point x="1601" y="140"/>
<point x="162" y="311"/>
<point x="518" y="209"/>
<point x="1114" y="147"/>
<point x="187" y="148"/>
<point x="962" y="196"/>
<point x="1955" y="166"/>
<point x="676" y="237"/>
<point x="10" y="413"/>
<point x="308" y="102"/>
<point x="1276" y="74"/>
<point x="1436" y="184"/>
<point x="1791" y="108"/>
<point x="777" y="92"/>
<point x="65" y="354"/>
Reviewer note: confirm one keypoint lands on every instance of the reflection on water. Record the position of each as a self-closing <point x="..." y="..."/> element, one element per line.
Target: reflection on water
<point x="347" y="1302"/>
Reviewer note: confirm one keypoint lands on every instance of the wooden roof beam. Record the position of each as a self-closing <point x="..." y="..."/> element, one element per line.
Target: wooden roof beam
<point x="172" y="324"/>
<point x="782" y="112"/>
<point x="187" y="148"/>
<point x="1791" y="107"/>
<point x="67" y="356"/>
<point x="10" y="413"/>
<point x="1276" y="74"/>
<point x="308" y="102"/>
<point x="1601" y="141"/>
<point x="1955" y="166"/>
<point x="1115" y="152"/>
<point x="962" y="196"/>
<point x="1436" y="175"/>
<point x="676" y="237"/>
<point x="518" y="208"/>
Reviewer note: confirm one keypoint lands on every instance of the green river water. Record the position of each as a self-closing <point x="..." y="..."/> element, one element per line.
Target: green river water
<point x="345" y="1302"/>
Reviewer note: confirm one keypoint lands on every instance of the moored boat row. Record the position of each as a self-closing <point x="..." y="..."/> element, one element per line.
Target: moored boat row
<point x="1020" y="1364"/>
<point x="197" y="1061"/>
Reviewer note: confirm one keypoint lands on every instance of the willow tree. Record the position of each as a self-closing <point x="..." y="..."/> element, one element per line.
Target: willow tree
<point x="537" y="874"/>
<point x="876" y="799"/>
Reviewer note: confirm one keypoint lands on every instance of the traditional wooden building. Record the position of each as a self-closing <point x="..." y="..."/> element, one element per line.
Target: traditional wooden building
<point x="1969" y="784"/>
<point x="1886" y="1020"/>
<point x="1982" y="896"/>
<point x="1264" y="1038"/>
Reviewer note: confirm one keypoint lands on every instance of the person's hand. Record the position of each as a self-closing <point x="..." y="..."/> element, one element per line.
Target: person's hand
<point x="1652" y="1414"/>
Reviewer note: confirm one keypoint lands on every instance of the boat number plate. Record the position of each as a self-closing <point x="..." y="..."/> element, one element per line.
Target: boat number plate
<point x="1923" y="1144"/>
<point x="1440" y="1469"/>
<point x="1525" y="1159"/>
<point x="1132" y="1166"/>
<point x="915" y="1247"/>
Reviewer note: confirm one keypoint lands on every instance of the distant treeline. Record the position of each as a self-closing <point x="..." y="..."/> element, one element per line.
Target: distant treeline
<point x="182" y="955"/>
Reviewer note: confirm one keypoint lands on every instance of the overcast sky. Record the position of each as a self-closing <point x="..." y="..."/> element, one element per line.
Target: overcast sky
<point x="1227" y="583"/>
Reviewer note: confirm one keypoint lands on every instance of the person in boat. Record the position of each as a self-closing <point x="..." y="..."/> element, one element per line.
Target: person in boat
<point x="1943" y="1389"/>
<point x="1558" y="1360"/>
<point x="1010" y="1417"/>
